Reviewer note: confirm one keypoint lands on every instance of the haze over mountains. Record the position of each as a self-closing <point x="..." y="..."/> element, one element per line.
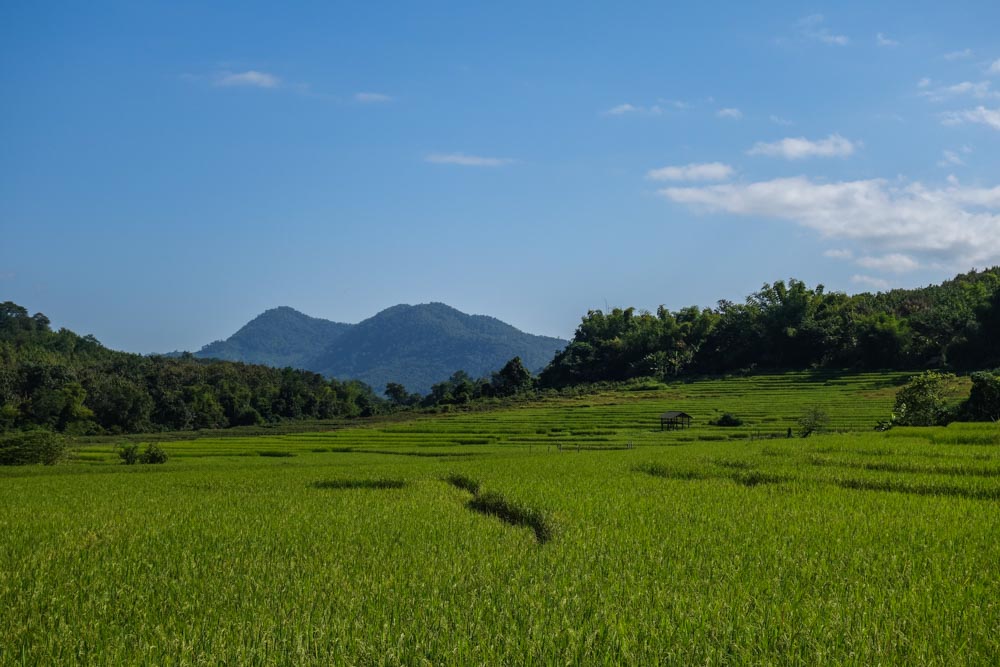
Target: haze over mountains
<point x="416" y="346"/>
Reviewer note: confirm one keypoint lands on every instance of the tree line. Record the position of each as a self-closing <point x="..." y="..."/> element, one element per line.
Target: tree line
<point x="60" y="381"/>
<point x="792" y="326"/>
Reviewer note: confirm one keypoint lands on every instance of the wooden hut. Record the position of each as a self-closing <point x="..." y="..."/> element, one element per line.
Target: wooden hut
<point x="673" y="420"/>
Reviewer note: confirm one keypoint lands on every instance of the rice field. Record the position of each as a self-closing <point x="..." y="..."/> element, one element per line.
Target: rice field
<point x="567" y="531"/>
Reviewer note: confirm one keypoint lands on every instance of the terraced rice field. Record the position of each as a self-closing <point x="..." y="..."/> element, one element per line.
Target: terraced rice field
<point x="568" y="531"/>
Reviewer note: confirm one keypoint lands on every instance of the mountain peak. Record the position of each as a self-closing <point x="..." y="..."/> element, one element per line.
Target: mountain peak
<point x="415" y="345"/>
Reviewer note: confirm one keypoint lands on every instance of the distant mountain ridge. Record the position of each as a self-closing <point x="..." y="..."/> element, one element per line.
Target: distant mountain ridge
<point x="277" y="337"/>
<point x="416" y="346"/>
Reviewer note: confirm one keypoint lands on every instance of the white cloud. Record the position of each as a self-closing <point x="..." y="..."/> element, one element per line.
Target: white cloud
<point x="923" y="83"/>
<point x="731" y="112"/>
<point x="813" y="28"/>
<point x="796" y="148"/>
<point x="950" y="159"/>
<point x="464" y="160"/>
<point x="893" y="263"/>
<point x="869" y="281"/>
<point x="251" y="78"/>
<point x="839" y="253"/>
<point x="882" y="40"/>
<point x="706" y="171"/>
<point x="995" y="67"/>
<point x="981" y="90"/>
<point x="623" y="109"/>
<point x="959" y="55"/>
<point x="957" y="226"/>
<point x="980" y="114"/>
<point x="676" y="104"/>
<point x="372" y="98"/>
<point x="987" y="198"/>
<point x="778" y="120"/>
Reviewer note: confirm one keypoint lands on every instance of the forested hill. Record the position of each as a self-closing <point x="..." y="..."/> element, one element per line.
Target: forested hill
<point x="418" y="346"/>
<point x="278" y="337"/>
<point x="415" y="346"/>
<point x="791" y="326"/>
<point x="69" y="383"/>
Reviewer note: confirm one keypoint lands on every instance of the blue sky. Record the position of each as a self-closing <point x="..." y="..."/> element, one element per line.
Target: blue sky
<point x="169" y="170"/>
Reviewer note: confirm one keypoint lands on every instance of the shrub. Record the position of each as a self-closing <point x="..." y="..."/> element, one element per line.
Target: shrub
<point x="154" y="454"/>
<point x="983" y="403"/>
<point x="129" y="454"/>
<point x="32" y="447"/>
<point x="726" y="420"/>
<point x="922" y="402"/>
<point x="814" y="419"/>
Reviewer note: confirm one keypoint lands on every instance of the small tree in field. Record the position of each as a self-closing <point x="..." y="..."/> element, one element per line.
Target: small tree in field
<point x="154" y="454"/>
<point x="512" y="379"/>
<point x="983" y="403"/>
<point x="129" y="454"/>
<point x="922" y="401"/>
<point x="814" y="419"/>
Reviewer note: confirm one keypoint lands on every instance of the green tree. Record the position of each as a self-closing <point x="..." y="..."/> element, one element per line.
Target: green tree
<point x="813" y="420"/>
<point x="983" y="403"/>
<point x="512" y="379"/>
<point x="922" y="401"/>
<point x="397" y="394"/>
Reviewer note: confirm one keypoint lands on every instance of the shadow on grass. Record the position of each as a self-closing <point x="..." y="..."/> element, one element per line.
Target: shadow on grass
<point x="745" y="477"/>
<point x="360" y="484"/>
<point x="893" y="486"/>
<point x="495" y="504"/>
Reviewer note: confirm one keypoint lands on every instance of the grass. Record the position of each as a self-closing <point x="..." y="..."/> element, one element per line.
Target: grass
<point x="360" y="484"/>
<point x="849" y="547"/>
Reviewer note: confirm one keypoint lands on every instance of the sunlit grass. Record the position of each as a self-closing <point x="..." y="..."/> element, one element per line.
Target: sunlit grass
<point x="854" y="547"/>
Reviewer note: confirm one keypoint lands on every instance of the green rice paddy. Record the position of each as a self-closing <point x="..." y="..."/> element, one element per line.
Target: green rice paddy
<point x="565" y="531"/>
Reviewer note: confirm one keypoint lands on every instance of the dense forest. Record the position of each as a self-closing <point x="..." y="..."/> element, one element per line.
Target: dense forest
<point x="64" y="382"/>
<point x="791" y="326"/>
<point x="61" y="381"/>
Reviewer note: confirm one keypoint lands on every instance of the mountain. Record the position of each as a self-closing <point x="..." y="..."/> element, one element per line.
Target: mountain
<point x="415" y="346"/>
<point x="420" y="345"/>
<point x="278" y="337"/>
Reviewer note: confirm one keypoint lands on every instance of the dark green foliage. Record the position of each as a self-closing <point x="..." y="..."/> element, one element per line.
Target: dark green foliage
<point x="31" y="447"/>
<point x="153" y="455"/>
<point x="512" y="379"/>
<point x="814" y="419"/>
<point x="984" y="398"/>
<point x="622" y="345"/>
<point x="399" y="397"/>
<point x="726" y="420"/>
<point x="129" y="453"/>
<point x="922" y="401"/>
<point x="276" y="453"/>
<point x="63" y="382"/>
<point x="788" y="326"/>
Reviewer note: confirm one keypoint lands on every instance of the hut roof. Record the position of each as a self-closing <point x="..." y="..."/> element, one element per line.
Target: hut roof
<point x="673" y="414"/>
